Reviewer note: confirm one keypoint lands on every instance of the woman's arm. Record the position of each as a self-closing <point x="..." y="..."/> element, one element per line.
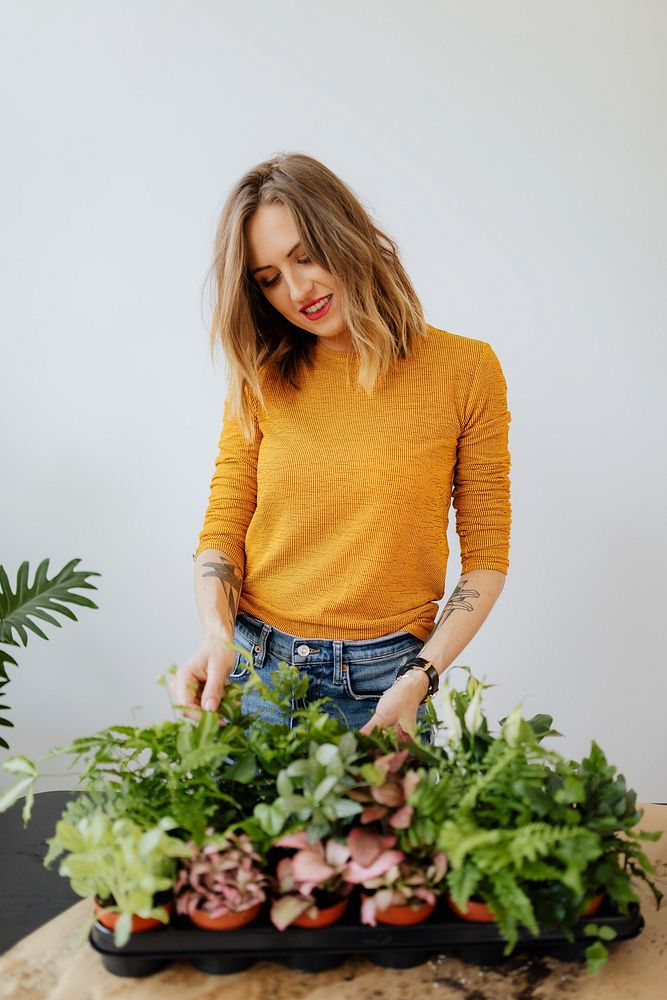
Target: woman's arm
<point x="218" y="583"/>
<point x="202" y="680"/>
<point x="462" y="616"/>
<point x="220" y="566"/>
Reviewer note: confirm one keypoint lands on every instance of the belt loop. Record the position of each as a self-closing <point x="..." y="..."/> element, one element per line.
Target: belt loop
<point x="259" y="655"/>
<point x="337" y="661"/>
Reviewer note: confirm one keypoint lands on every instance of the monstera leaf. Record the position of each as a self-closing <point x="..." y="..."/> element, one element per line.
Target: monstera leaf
<point x="20" y="607"/>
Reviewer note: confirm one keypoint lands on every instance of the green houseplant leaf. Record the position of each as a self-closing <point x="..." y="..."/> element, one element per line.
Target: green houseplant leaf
<point x="26" y="602"/>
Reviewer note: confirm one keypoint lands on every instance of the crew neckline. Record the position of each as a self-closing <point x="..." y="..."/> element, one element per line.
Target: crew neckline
<point x="330" y="355"/>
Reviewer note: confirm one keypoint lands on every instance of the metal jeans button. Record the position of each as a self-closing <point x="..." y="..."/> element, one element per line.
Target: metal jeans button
<point x="303" y="650"/>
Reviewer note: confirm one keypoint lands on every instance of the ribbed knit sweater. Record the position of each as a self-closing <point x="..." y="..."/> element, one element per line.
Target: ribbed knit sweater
<point x="336" y="515"/>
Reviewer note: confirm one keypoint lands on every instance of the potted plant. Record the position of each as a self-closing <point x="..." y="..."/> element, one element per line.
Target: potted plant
<point x="491" y="817"/>
<point x="222" y="885"/>
<point x="310" y="885"/>
<point x="123" y="867"/>
<point x="531" y="838"/>
<point x="399" y="813"/>
<point x="199" y="773"/>
<point x="312" y="792"/>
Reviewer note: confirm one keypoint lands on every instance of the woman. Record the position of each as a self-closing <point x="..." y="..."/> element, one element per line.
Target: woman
<point x="349" y="423"/>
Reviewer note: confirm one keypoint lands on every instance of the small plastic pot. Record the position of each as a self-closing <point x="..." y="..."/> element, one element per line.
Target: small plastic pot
<point x="477" y="912"/>
<point x="326" y="915"/>
<point x="402" y="916"/>
<point x="109" y="919"/>
<point x="226" y="921"/>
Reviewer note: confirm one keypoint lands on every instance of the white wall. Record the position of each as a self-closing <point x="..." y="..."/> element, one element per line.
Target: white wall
<point x="517" y="153"/>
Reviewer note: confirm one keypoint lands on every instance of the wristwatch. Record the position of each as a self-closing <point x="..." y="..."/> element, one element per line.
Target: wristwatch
<point x="420" y="663"/>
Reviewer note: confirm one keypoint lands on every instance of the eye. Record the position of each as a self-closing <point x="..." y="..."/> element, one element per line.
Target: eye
<point x="268" y="284"/>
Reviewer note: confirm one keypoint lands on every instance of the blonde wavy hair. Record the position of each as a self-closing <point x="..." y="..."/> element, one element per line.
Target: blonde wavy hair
<point x="382" y="313"/>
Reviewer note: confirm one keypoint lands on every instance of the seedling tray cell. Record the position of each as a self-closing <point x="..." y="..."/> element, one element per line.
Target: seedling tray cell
<point x="317" y="950"/>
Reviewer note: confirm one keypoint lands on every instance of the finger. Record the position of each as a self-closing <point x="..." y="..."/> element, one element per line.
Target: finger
<point x="187" y="683"/>
<point x="186" y="698"/>
<point x="375" y="720"/>
<point x="213" y="690"/>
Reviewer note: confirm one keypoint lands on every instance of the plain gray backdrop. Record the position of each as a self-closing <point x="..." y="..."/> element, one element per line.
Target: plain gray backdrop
<point x="515" y="150"/>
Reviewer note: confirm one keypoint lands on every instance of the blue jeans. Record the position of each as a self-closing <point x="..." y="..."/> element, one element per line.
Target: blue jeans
<point x="354" y="674"/>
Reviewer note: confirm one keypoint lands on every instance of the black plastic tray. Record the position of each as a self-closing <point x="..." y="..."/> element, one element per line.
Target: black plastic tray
<point x="316" y="950"/>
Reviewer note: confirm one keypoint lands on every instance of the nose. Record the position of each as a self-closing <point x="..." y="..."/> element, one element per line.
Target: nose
<point x="300" y="290"/>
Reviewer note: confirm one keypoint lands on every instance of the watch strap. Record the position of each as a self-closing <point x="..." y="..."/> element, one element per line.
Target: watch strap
<point x="421" y="663"/>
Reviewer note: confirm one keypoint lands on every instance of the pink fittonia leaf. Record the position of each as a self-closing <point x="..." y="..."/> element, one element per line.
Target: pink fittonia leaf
<point x="298" y="840"/>
<point x="368" y="909"/>
<point x="286" y="909"/>
<point x="390" y="794"/>
<point x="308" y="867"/>
<point x="421" y="892"/>
<point x="397" y="759"/>
<point x="440" y="865"/>
<point x="284" y="874"/>
<point x="366" y="845"/>
<point x="357" y="873"/>
<point x="336" y="853"/>
<point x="410" y="782"/>
<point x="371" y="813"/>
<point x="358" y="794"/>
<point x="402" y="818"/>
<point x="384" y="898"/>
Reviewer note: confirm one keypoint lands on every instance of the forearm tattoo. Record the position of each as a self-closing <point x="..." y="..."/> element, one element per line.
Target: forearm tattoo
<point x="231" y="581"/>
<point x="459" y="599"/>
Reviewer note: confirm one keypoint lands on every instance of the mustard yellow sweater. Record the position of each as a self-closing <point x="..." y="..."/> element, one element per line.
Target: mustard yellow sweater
<point x="337" y="514"/>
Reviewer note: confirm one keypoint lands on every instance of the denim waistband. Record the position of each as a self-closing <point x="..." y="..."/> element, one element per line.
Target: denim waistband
<point x="295" y="649"/>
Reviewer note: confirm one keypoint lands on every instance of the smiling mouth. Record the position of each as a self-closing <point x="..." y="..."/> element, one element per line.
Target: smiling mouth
<point x="316" y="306"/>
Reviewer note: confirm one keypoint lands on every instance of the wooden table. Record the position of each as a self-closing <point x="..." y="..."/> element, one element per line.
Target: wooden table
<point x="42" y="966"/>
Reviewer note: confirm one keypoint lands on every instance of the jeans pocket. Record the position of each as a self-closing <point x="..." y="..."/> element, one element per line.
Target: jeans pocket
<point x="369" y="677"/>
<point x="240" y="670"/>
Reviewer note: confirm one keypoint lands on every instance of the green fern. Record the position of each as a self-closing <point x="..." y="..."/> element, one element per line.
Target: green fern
<point x="38" y="600"/>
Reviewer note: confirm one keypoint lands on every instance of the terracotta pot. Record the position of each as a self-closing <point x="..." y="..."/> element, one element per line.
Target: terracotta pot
<point x="325" y="915"/>
<point x="480" y="913"/>
<point x="227" y="921"/>
<point x="109" y="920"/>
<point x="593" y="906"/>
<point x="401" y="916"/>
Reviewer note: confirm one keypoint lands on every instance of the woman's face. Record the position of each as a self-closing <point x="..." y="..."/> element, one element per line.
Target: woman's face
<point x="289" y="280"/>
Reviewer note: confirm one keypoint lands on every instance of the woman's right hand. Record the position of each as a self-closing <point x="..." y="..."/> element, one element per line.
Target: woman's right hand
<point x="201" y="681"/>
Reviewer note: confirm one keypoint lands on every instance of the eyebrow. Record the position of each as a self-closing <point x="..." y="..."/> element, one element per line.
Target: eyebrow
<point x="267" y="266"/>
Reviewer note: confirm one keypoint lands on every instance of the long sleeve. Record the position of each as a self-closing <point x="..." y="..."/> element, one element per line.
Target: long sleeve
<point x="337" y="513"/>
<point x="481" y="483"/>
<point x="233" y="493"/>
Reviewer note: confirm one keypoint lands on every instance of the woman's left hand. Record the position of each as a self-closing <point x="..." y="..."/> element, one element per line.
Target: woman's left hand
<point x="398" y="705"/>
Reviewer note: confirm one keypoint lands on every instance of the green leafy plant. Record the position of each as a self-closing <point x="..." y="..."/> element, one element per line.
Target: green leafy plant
<point x="198" y="773"/>
<point x="533" y="835"/>
<point x="119" y="862"/>
<point x="312" y="792"/>
<point x="37" y="600"/>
